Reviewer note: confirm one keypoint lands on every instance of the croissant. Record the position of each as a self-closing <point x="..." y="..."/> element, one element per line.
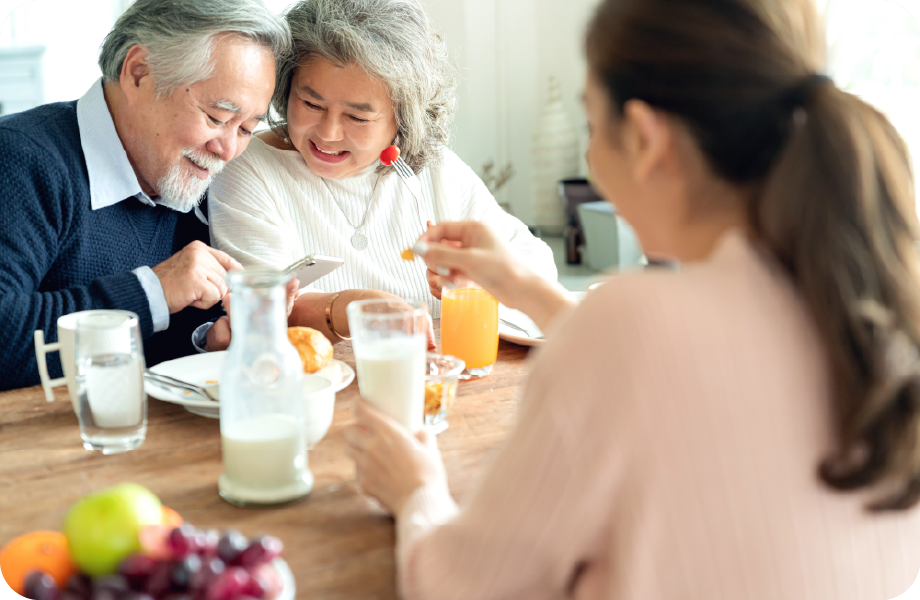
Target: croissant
<point x="314" y="349"/>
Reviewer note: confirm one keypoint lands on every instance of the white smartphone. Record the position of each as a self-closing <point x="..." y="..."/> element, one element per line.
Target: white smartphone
<point x="313" y="266"/>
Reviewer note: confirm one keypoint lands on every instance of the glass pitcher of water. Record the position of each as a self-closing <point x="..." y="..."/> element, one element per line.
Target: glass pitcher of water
<point x="261" y="413"/>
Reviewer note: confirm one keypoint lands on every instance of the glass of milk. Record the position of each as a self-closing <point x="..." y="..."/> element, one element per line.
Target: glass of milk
<point x="390" y="339"/>
<point x="109" y="380"/>
<point x="263" y="439"/>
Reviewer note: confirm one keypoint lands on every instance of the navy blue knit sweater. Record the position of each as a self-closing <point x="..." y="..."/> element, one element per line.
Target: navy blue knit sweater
<point x="58" y="256"/>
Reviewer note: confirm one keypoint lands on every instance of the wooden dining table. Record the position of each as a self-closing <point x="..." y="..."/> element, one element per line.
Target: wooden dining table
<point x="337" y="542"/>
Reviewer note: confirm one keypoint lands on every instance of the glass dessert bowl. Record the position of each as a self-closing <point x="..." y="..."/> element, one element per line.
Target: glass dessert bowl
<point x="442" y="375"/>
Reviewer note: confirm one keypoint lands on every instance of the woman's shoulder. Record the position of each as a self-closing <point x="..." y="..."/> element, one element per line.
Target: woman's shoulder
<point x="254" y="159"/>
<point x="261" y="166"/>
<point x="737" y="294"/>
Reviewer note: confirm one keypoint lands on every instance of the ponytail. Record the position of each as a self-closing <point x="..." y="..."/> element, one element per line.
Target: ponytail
<point x="834" y="198"/>
<point x="837" y="211"/>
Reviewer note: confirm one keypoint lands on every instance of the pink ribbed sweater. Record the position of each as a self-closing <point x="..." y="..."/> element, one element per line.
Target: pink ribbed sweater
<point x="666" y="448"/>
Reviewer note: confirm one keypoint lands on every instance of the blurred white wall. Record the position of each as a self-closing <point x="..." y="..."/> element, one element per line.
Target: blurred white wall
<point x="508" y="49"/>
<point x="72" y="32"/>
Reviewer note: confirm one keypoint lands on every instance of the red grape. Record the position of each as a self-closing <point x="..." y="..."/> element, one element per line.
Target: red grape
<point x="160" y="581"/>
<point x="269" y="579"/>
<point x="79" y="585"/>
<point x="206" y="543"/>
<point x="184" y="570"/>
<point x="389" y="155"/>
<point x="254" y="588"/>
<point x="136" y="569"/>
<point x="182" y="541"/>
<point x="137" y="565"/>
<point x="231" y="545"/>
<point x="117" y="584"/>
<point x="38" y="585"/>
<point x="229" y="584"/>
<point x="210" y="569"/>
<point x="70" y="595"/>
<point x="261" y="550"/>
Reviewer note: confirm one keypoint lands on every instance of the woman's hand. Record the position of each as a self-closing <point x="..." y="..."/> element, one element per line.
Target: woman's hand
<point x="218" y="335"/>
<point x="471" y="251"/>
<point x="390" y="462"/>
<point x="436" y="282"/>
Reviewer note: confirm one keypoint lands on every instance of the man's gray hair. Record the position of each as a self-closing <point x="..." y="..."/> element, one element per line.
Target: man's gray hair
<point x="394" y="42"/>
<point x="180" y="36"/>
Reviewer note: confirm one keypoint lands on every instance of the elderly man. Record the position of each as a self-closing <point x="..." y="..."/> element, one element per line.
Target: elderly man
<point x="101" y="195"/>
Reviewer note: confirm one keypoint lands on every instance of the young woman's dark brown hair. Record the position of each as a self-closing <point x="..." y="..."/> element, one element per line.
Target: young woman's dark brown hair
<point x="831" y="196"/>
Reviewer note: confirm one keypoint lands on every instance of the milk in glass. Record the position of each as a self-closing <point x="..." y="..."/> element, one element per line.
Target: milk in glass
<point x="391" y="376"/>
<point x="390" y="341"/>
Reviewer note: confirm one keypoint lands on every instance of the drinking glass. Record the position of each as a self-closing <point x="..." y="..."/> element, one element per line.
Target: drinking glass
<point x="390" y="340"/>
<point x="469" y="328"/>
<point x="109" y="377"/>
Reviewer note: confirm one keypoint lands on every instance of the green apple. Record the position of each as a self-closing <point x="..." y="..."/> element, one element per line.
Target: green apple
<point x="101" y="528"/>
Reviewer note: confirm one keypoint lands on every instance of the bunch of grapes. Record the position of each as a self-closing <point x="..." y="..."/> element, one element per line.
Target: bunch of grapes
<point x="194" y="565"/>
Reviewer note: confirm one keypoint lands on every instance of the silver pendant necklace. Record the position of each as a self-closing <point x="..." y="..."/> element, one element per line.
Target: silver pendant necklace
<point x="358" y="239"/>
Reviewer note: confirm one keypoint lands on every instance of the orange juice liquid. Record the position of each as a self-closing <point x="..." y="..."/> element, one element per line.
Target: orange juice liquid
<point x="469" y="326"/>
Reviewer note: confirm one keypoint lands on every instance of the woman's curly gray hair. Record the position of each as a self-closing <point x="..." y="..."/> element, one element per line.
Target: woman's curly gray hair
<point x="393" y="41"/>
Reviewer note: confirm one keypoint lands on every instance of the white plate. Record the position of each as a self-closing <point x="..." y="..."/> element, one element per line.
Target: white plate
<point x="510" y="334"/>
<point x="201" y="368"/>
<point x="289" y="586"/>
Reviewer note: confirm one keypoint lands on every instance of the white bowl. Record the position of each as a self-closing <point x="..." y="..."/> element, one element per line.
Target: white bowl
<point x="318" y="407"/>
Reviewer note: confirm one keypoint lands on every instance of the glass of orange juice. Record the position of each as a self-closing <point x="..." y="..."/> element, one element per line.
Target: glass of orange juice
<point x="469" y="328"/>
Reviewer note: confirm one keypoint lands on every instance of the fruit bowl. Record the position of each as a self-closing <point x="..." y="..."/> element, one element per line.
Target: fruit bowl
<point x="182" y="563"/>
<point x="121" y="543"/>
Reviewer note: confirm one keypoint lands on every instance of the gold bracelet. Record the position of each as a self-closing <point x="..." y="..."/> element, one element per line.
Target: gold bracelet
<point x="329" y="317"/>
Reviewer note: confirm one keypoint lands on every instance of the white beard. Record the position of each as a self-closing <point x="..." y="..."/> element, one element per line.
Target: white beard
<point x="180" y="189"/>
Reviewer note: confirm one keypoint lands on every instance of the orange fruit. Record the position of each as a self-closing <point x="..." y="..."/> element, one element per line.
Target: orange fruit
<point x="43" y="550"/>
<point x="171" y="519"/>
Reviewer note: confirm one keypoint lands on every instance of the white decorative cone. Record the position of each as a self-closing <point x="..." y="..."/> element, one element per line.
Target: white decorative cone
<point x="555" y="157"/>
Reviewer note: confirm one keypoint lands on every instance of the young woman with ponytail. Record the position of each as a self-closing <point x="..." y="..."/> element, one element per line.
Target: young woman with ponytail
<point x="746" y="428"/>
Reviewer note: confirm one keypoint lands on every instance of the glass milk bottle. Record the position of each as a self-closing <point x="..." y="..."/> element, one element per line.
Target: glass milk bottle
<point x="261" y="413"/>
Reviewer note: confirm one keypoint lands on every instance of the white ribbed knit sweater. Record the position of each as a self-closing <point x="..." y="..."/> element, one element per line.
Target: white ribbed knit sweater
<point x="267" y="208"/>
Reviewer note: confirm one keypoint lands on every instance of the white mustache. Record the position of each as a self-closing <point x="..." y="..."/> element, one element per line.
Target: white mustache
<point x="205" y="160"/>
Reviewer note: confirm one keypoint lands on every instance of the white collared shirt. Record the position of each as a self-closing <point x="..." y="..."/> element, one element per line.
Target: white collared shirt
<point x="112" y="180"/>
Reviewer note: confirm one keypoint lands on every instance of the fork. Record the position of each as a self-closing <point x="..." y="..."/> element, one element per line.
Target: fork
<point x="171" y="382"/>
<point x="411" y="181"/>
<point x="521" y="329"/>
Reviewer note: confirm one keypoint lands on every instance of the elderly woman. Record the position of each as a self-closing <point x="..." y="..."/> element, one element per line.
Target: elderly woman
<point x="367" y="74"/>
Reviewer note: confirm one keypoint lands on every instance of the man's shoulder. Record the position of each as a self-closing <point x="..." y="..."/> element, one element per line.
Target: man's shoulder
<point x="47" y="128"/>
<point x="47" y="119"/>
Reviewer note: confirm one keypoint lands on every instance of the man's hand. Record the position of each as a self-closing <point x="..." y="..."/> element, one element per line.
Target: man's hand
<point x="194" y="276"/>
<point x="218" y="335"/>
